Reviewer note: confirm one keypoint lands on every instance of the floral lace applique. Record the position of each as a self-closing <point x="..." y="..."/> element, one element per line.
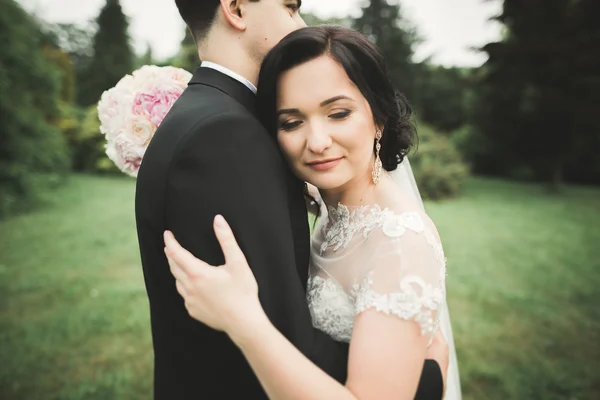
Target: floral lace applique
<point x="344" y="224"/>
<point x="331" y="310"/>
<point x="416" y="300"/>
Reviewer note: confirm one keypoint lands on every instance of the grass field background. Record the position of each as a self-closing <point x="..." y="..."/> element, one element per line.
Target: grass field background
<point x="523" y="290"/>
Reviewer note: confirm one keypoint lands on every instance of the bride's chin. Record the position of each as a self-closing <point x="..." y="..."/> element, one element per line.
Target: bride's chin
<point x="330" y="183"/>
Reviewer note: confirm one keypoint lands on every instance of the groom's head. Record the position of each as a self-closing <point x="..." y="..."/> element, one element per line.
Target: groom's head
<point x="252" y="26"/>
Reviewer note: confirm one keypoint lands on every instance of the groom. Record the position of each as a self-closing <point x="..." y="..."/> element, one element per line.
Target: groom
<point x="211" y="156"/>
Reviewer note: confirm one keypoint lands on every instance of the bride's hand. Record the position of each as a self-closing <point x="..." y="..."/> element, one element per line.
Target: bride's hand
<point x="224" y="297"/>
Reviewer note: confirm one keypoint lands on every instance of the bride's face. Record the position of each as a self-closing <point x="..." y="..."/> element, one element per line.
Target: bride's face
<point x="325" y="125"/>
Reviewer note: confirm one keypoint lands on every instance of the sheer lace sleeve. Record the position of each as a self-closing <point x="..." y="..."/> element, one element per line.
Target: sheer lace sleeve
<point x="405" y="275"/>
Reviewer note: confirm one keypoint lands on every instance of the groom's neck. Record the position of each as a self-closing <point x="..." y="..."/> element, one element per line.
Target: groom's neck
<point x="231" y="55"/>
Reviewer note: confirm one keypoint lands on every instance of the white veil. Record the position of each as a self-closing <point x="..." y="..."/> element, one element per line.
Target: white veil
<point x="405" y="178"/>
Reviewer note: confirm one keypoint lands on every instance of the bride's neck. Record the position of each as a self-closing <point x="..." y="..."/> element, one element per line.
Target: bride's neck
<point x="358" y="192"/>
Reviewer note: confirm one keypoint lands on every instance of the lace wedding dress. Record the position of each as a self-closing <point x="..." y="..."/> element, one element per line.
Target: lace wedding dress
<point x="375" y="258"/>
<point x="385" y="257"/>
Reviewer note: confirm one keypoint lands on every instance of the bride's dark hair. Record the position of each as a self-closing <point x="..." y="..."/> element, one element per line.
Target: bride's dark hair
<point x="363" y="64"/>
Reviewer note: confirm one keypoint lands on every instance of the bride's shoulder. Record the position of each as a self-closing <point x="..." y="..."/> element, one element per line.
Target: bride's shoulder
<point x="398" y="223"/>
<point x="410" y="241"/>
<point x="407" y="230"/>
<point x="413" y="218"/>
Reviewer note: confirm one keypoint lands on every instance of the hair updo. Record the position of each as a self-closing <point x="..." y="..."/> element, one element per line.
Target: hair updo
<point x="364" y="65"/>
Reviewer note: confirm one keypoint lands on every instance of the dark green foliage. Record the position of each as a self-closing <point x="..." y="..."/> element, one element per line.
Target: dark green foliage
<point x="439" y="169"/>
<point x="187" y="58"/>
<point x="538" y="98"/>
<point x="442" y="96"/>
<point x="113" y="56"/>
<point x="146" y="59"/>
<point x="76" y="42"/>
<point x="383" y="24"/>
<point x="33" y="152"/>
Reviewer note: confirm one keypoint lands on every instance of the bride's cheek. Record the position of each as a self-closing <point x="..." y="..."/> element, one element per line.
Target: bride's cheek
<point x="284" y="145"/>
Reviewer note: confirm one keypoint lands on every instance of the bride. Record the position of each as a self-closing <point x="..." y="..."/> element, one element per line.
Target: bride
<point x="377" y="270"/>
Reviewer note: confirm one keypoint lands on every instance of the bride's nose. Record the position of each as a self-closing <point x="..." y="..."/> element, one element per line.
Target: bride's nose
<point x="318" y="140"/>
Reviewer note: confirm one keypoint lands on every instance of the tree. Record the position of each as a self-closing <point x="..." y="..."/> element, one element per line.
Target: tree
<point x="439" y="168"/>
<point x="187" y="58"/>
<point x="33" y="152"/>
<point x="540" y="90"/>
<point x="62" y="61"/>
<point x="442" y="95"/>
<point x="382" y="22"/>
<point x="113" y="56"/>
<point x="146" y="59"/>
<point x="76" y="42"/>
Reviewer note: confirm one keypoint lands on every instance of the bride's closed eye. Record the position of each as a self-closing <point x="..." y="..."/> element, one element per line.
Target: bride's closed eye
<point x="340" y="114"/>
<point x="289" y="124"/>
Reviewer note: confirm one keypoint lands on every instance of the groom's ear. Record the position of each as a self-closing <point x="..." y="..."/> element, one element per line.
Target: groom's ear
<point x="233" y="13"/>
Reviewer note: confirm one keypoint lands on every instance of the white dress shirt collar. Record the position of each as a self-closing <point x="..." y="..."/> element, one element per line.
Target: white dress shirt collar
<point x="230" y="73"/>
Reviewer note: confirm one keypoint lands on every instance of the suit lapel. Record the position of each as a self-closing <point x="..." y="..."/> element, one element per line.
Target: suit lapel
<point x="218" y="80"/>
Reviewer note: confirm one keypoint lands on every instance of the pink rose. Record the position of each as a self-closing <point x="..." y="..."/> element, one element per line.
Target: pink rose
<point x="156" y="103"/>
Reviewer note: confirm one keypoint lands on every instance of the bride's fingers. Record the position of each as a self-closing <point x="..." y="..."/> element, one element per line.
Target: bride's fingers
<point x="231" y="250"/>
<point x="176" y="271"/>
<point x="181" y="289"/>
<point x="185" y="260"/>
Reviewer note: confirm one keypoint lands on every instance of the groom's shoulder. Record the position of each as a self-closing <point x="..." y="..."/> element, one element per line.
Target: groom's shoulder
<point x="205" y="118"/>
<point x="201" y="101"/>
<point x="201" y="106"/>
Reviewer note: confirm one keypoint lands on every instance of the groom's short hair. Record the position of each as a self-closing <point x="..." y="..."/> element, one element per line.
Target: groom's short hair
<point x="199" y="15"/>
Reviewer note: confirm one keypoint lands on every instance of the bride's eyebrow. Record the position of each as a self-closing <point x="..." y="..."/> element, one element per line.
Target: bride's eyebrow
<point x="334" y="99"/>
<point x="324" y="103"/>
<point x="288" y="111"/>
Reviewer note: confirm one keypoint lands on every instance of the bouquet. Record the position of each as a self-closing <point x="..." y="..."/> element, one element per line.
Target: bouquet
<point x="131" y="111"/>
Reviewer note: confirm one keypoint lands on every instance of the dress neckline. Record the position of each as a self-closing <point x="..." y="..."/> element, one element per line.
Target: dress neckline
<point x="345" y="213"/>
<point x="344" y="222"/>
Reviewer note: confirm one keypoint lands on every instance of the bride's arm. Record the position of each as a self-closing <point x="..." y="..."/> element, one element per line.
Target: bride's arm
<point x="386" y="352"/>
<point x="282" y="370"/>
<point x="385" y="362"/>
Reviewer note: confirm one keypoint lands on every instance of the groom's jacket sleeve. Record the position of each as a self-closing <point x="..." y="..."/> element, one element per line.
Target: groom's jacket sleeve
<point x="229" y="165"/>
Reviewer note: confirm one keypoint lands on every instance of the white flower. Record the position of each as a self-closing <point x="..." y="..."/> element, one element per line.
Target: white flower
<point x="140" y="129"/>
<point x="413" y="222"/>
<point x="396" y="225"/>
<point x="126" y="154"/>
<point x="393" y="226"/>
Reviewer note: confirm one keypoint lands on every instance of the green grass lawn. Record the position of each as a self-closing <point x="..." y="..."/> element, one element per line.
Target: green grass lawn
<point x="523" y="288"/>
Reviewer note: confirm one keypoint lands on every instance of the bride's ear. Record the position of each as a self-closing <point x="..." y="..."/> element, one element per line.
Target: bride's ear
<point x="234" y="13"/>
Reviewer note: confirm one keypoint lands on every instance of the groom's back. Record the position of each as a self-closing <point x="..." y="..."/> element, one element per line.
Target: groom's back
<point x="191" y="360"/>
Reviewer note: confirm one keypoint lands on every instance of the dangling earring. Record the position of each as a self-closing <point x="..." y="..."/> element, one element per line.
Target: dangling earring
<point x="377" y="167"/>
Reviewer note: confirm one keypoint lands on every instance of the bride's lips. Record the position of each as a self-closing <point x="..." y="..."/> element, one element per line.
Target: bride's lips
<point x="325" y="164"/>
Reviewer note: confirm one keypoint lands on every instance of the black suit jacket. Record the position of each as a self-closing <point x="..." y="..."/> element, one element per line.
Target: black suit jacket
<point x="212" y="156"/>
